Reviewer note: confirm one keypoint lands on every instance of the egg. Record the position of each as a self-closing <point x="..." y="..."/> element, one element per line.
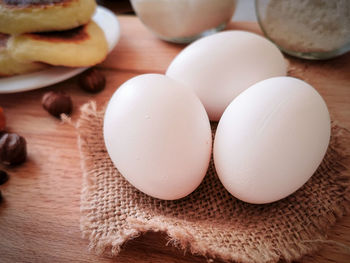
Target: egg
<point x="221" y="66"/>
<point x="158" y="135"/>
<point x="271" y="139"/>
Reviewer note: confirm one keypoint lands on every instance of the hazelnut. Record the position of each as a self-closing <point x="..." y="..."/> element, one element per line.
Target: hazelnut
<point x="92" y="81"/>
<point x="2" y="120"/>
<point x="57" y="103"/>
<point x="3" y="177"/>
<point x="13" y="149"/>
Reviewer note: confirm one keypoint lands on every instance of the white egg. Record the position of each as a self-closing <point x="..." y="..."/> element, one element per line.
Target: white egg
<point x="271" y="139"/>
<point x="158" y="135"/>
<point x="221" y="66"/>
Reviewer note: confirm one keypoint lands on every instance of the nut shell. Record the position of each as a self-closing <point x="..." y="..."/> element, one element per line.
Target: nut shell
<point x="3" y="177"/>
<point x="2" y="120"/>
<point x="13" y="149"/>
<point x="57" y="103"/>
<point x="92" y="81"/>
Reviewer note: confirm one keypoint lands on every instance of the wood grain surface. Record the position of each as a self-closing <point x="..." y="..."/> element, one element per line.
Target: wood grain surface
<point x="39" y="218"/>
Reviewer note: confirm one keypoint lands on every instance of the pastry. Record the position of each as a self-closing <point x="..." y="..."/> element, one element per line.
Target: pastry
<point x="79" y="47"/>
<point x="23" y="16"/>
<point x="10" y="66"/>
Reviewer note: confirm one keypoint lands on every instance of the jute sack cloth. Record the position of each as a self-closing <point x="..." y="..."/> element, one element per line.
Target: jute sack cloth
<point x="210" y="221"/>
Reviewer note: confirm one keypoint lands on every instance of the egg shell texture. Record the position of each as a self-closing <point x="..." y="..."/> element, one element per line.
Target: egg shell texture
<point x="158" y="135"/>
<point x="271" y="139"/>
<point x="221" y="66"/>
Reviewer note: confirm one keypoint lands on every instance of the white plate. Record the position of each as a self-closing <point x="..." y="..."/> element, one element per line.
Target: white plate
<point x="109" y="24"/>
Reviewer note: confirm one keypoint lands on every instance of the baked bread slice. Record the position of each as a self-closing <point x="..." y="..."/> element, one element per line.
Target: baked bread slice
<point x="79" y="47"/>
<point x="10" y="66"/>
<point x="23" y="16"/>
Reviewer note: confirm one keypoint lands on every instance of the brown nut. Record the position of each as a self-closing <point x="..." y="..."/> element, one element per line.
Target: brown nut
<point x="3" y="177"/>
<point x="57" y="103"/>
<point x="2" y="120"/>
<point x="13" y="149"/>
<point x="92" y="81"/>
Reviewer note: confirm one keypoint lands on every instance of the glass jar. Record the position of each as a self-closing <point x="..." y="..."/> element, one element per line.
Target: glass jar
<point x="311" y="29"/>
<point x="182" y="21"/>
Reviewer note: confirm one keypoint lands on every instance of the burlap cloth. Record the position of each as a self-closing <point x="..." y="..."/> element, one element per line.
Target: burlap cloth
<point x="210" y="221"/>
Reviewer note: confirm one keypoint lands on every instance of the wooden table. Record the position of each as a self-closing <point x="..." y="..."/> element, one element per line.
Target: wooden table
<point x="39" y="218"/>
